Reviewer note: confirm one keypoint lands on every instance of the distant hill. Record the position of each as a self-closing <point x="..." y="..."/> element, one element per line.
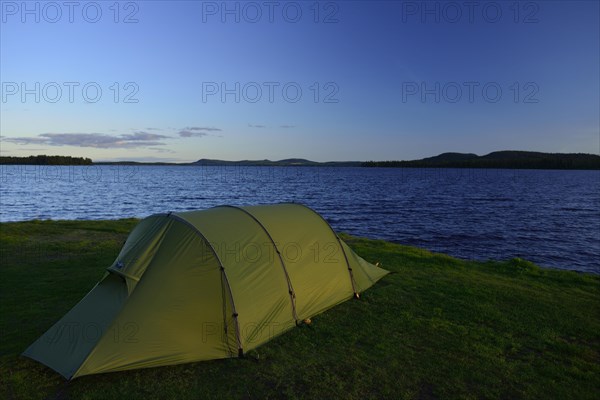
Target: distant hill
<point x="207" y="162"/>
<point x="509" y="159"/>
<point x="137" y="163"/>
<point x="288" y="162"/>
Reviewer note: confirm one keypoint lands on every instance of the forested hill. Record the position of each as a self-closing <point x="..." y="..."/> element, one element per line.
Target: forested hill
<point x="499" y="159"/>
<point x="46" y="160"/>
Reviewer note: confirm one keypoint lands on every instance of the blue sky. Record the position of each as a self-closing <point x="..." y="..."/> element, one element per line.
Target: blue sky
<point x="352" y="80"/>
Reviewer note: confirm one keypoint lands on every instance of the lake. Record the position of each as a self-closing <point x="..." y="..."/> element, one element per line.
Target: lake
<point x="549" y="217"/>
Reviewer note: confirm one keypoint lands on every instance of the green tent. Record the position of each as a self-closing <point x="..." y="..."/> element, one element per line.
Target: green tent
<point x="203" y="285"/>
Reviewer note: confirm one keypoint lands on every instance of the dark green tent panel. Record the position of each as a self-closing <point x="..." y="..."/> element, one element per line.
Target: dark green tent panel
<point x="203" y="285"/>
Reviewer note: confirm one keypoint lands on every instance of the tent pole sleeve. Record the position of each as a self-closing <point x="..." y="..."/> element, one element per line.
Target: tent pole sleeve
<point x="224" y="279"/>
<point x="356" y="294"/>
<point x="287" y="276"/>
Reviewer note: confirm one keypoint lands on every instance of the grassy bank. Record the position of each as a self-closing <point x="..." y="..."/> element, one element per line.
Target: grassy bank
<point x="436" y="328"/>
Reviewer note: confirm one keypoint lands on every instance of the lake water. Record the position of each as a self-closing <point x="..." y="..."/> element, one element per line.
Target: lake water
<point x="549" y="217"/>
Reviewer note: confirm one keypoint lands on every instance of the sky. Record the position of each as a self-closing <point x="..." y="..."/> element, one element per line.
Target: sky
<point x="347" y="80"/>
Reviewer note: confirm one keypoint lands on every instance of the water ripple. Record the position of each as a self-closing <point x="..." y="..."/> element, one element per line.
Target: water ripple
<point x="549" y="217"/>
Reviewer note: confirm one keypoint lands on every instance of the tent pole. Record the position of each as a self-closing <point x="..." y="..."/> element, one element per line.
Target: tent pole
<point x="287" y="276"/>
<point x="224" y="277"/>
<point x="356" y="294"/>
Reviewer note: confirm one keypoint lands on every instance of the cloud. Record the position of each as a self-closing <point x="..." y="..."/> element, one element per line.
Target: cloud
<point x="196" y="131"/>
<point x="25" y="140"/>
<point x="163" y="150"/>
<point x="141" y="135"/>
<point x="137" y="139"/>
<point x="265" y="126"/>
<point x="197" y="128"/>
<point x="188" y="133"/>
<point x="96" y="140"/>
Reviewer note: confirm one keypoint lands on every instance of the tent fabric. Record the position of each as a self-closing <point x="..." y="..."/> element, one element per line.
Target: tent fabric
<point x="201" y="285"/>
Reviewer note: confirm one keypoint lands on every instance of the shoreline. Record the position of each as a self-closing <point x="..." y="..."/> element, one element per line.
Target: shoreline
<point x="135" y="220"/>
<point x="504" y="159"/>
<point x="308" y="166"/>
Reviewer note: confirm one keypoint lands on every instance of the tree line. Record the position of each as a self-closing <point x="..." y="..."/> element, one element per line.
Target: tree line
<point x="45" y="160"/>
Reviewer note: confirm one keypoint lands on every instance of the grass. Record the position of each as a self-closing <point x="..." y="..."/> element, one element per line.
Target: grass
<point x="437" y="327"/>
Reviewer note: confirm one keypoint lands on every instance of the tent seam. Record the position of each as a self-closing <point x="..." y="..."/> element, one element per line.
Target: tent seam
<point x="224" y="275"/>
<point x="122" y="276"/>
<point x="291" y="290"/>
<point x="339" y="243"/>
